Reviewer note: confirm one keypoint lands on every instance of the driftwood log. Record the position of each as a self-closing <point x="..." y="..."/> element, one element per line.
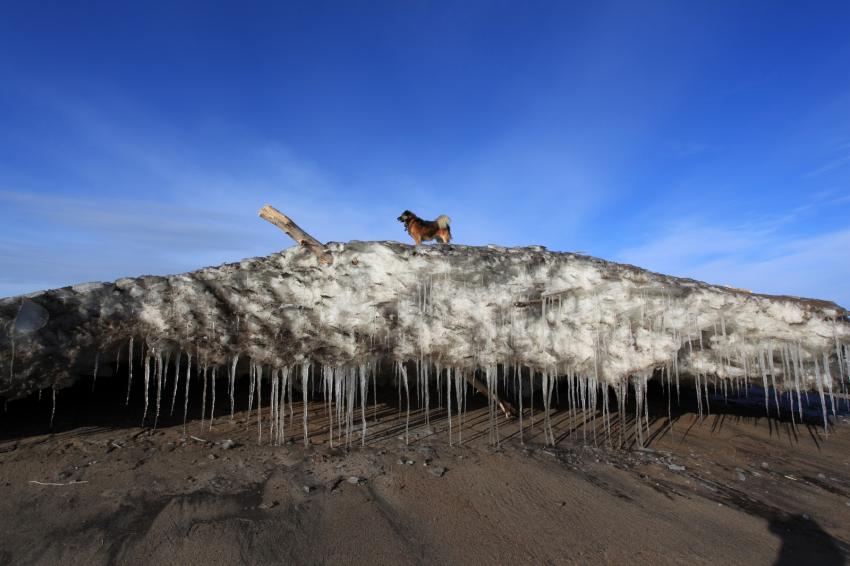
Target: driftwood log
<point x="295" y="232"/>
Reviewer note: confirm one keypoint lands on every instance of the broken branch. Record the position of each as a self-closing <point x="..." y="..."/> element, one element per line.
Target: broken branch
<point x="302" y="238"/>
<point x="507" y="408"/>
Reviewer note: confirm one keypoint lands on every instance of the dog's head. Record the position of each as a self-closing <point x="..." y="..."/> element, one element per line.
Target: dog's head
<point x="406" y="217"/>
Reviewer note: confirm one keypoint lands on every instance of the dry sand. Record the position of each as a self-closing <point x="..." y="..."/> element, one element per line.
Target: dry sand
<point x="734" y="487"/>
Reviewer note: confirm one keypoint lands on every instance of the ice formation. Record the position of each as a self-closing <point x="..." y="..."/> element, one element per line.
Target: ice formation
<point x="428" y="319"/>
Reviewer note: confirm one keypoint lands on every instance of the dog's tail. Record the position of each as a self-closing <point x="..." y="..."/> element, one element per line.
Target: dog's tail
<point x="443" y="221"/>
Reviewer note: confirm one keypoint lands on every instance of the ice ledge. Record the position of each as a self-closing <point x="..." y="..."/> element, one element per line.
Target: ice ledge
<point x="457" y="306"/>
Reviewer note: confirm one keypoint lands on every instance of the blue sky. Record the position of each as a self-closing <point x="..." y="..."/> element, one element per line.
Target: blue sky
<point x="702" y="139"/>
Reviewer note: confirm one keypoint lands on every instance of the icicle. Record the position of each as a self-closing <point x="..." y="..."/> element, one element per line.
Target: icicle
<point x="204" y="395"/>
<point x="283" y="388"/>
<point x="94" y="373"/>
<point x="646" y="401"/>
<point x="676" y="370"/>
<point x="460" y="395"/>
<point x="840" y="363"/>
<point x="147" y="360"/>
<point x="273" y="407"/>
<point x="291" y="399"/>
<point x="350" y="399"/>
<point x="439" y="371"/>
<point x="165" y="369"/>
<point x="548" y="386"/>
<point x="305" y="370"/>
<point x="846" y="355"/>
<point x="607" y="411"/>
<point x="374" y="372"/>
<point x="338" y="389"/>
<point x="797" y="379"/>
<point x="232" y="382"/>
<point x="403" y="371"/>
<point x="212" y="389"/>
<point x="545" y="384"/>
<point x="252" y="383"/>
<point x="696" y="377"/>
<point x="397" y="377"/>
<point x="636" y="382"/>
<point x="259" y="404"/>
<point x="618" y="393"/>
<point x="159" y="372"/>
<point x="426" y="373"/>
<point x="449" y="401"/>
<point x="828" y="380"/>
<point x="531" y="395"/>
<point x="592" y="388"/>
<point x="176" y="381"/>
<point x="773" y="379"/>
<point x="519" y="383"/>
<point x="819" y="380"/>
<point x="491" y="409"/>
<point x="327" y="391"/>
<point x="130" y="370"/>
<point x="582" y="386"/>
<point x="764" y="382"/>
<point x="788" y="383"/>
<point x="839" y="360"/>
<point x="363" y="390"/>
<point x="186" y="394"/>
<point x="571" y="400"/>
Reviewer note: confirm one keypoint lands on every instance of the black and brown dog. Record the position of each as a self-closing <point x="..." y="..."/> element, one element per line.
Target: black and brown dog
<point x="424" y="230"/>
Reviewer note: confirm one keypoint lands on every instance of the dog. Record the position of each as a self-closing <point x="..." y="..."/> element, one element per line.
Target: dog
<point x="424" y="230"/>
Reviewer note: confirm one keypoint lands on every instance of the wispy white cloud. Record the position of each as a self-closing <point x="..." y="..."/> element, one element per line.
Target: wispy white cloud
<point x="840" y="158"/>
<point x="763" y="258"/>
<point x="830" y="166"/>
<point x="688" y="148"/>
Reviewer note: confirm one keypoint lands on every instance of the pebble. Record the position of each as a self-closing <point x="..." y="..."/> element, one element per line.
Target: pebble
<point x="227" y="444"/>
<point x="676" y="467"/>
<point x="356" y="480"/>
<point x="437" y="471"/>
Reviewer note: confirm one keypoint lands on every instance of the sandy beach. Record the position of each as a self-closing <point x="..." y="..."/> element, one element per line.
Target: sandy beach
<point x="732" y="487"/>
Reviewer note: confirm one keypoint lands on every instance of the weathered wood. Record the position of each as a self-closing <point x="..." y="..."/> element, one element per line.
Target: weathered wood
<point x="282" y="221"/>
<point x="507" y="408"/>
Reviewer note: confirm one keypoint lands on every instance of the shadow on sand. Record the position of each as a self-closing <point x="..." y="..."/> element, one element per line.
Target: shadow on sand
<point x="805" y="542"/>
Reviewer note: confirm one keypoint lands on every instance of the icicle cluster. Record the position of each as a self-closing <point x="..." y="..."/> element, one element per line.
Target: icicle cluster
<point x="521" y="322"/>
